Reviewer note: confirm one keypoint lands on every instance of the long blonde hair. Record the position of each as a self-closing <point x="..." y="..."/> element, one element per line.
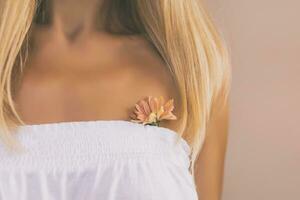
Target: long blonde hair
<point x="180" y="30"/>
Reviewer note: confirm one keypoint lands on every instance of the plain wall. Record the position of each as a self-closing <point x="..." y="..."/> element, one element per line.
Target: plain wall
<point x="263" y="154"/>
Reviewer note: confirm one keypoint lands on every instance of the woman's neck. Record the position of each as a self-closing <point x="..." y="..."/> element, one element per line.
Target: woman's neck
<point x="75" y="17"/>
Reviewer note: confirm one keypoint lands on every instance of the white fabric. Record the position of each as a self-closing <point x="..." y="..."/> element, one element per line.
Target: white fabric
<point x="95" y="160"/>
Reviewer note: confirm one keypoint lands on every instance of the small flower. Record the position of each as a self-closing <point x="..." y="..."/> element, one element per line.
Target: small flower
<point x="152" y="110"/>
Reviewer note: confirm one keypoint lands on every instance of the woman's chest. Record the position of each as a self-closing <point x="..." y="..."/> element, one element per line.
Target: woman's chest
<point x="76" y="99"/>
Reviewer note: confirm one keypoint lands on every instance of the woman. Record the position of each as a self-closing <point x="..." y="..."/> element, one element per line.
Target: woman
<point x="83" y="90"/>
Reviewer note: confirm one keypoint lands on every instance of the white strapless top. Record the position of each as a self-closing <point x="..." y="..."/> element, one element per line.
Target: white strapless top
<point x="97" y="160"/>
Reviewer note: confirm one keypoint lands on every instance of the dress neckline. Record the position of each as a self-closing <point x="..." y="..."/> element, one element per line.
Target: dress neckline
<point x="87" y="122"/>
<point x="64" y="124"/>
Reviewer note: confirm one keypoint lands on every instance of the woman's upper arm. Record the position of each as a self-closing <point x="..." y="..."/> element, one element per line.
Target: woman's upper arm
<point x="209" y="166"/>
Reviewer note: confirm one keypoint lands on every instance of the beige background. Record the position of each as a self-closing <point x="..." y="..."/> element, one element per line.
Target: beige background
<point x="263" y="156"/>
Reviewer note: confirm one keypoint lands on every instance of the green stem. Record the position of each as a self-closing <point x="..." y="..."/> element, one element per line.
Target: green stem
<point x="155" y="123"/>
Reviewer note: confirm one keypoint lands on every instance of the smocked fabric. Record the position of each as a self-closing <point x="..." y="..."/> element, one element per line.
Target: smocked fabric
<point x="95" y="160"/>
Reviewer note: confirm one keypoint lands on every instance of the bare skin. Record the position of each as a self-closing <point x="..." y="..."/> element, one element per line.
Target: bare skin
<point x="94" y="76"/>
<point x="209" y="167"/>
<point x="78" y="74"/>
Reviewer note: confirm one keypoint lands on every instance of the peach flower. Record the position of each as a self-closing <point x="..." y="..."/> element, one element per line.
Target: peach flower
<point x="152" y="110"/>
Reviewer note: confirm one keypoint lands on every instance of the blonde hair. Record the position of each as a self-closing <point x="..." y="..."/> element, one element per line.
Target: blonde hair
<point x="182" y="33"/>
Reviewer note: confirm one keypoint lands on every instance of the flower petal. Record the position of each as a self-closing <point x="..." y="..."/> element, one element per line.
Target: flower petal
<point x="142" y="117"/>
<point x="156" y="105"/>
<point x="138" y="108"/>
<point x="152" y="104"/>
<point x="152" y="110"/>
<point x="136" y="121"/>
<point x="168" y="116"/>
<point x="161" y="101"/>
<point x="160" y="112"/>
<point x="169" y="106"/>
<point x="145" y="107"/>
